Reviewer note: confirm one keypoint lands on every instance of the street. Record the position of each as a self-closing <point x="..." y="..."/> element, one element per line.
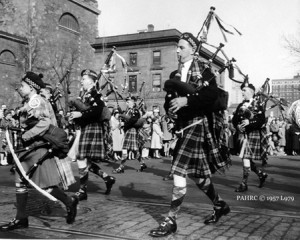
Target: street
<point x="145" y="196"/>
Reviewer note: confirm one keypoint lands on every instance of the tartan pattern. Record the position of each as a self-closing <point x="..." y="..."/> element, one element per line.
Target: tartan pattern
<point x="197" y="153"/>
<point x="256" y="148"/>
<point x="91" y="142"/>
<point x="143" y="137"/>
<point x="131" y="140"/>
<point x="194" y="72"/>
<point x="65" y="172"/>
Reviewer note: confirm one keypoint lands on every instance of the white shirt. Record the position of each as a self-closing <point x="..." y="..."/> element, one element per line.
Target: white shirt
<point x="184" y="70"/>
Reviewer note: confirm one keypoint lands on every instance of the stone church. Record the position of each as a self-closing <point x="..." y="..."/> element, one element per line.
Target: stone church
<point x="46" y="36"/>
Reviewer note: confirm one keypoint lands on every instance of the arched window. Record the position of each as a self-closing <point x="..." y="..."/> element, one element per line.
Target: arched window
<point x="8" y="57"/>
<point x="67" y="20"/>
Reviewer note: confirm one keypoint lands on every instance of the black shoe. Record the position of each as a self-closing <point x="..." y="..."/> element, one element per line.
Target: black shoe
<point x="242" y="188"/>
<point x="15" y="224"/>
<point x="109" y="181"/>
<point x="167" y="227"/>
<point x="218" y="212"/>
<point x="81" y="196"/>
<point x="262" y="179"/>
<point x="72" y="210"/>
<point x="118" y="170"/>
<point x="143" y="167"/>
<point x="168" y="177"/>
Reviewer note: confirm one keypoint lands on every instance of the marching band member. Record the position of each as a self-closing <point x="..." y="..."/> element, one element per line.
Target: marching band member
<point x="91" y="143"/>
<point x="249" y="119"/>
<point x="46" y="176"/>
<point x="64" y="165"/>
<point x="196" y="153"/>
<point x="133" y="140"/>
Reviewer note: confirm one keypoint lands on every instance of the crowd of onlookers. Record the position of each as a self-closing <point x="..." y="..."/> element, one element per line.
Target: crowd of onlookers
<point x="283" y="137"/>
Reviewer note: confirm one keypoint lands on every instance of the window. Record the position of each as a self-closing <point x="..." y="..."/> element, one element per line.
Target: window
<point x="133" y="59"/>
<point x="68" y="21"/>
<point x="132" y="83"/>
<point x="7" y="56"/>
<point x="156" y="82"/>
<point x="156" y="58"/>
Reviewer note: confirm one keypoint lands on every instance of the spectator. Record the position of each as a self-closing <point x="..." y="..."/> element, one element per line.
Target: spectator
<point x="117" y="131"/>
<point x="167" y="135"/>
<point x="157" y="136"/>
<point x="147" y="129"/>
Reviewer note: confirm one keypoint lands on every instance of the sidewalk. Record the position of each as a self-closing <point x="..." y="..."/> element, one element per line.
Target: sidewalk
<point x="107" y="217"/>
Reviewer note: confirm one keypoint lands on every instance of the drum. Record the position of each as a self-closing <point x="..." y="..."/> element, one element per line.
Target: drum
<point x="293" y="114"/>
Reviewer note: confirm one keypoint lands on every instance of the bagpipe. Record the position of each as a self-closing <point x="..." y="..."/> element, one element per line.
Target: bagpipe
<point x="78" y="104"/>
<point x="175" y="88"/>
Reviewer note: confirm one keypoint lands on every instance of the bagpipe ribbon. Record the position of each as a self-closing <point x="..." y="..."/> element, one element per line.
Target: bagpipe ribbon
<point x="22" y="171"/>
<point x="221" y="24"/>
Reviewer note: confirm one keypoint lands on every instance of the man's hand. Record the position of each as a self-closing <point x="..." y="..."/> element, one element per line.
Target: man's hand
<point x="177" y="103"/>
<point x="172" y="115"/>
<point x="241" y="128"/>
<point x="75" y="115"/>
<point x="245" y="122"/>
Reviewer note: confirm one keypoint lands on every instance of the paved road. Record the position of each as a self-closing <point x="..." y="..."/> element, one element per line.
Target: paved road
<point x="140" y="200"/>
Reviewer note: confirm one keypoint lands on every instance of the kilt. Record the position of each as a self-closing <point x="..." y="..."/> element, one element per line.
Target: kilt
<point x="143" y="137"/>
<point x="91" y="142"/>
<point x="47" y="174"/>
<point x="131" y="140"/>
<point x="196" y="152"/>
<point x="257" y="144"/>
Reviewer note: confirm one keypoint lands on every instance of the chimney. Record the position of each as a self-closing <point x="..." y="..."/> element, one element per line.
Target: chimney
<point x="150" y="27"/>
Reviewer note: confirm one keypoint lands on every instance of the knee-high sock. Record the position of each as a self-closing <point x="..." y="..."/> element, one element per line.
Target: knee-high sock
<point x="60" y="195"/>
<point x="206" y="185"/>
<point x="246" y="172"/>
<point x="21" y="201"/>
<point x="83" y="174"/>
<point x="94" y="168"/>
<point x="177" y="199"/>
<point x="179" y="191"/>
<point x="254" y="169"/>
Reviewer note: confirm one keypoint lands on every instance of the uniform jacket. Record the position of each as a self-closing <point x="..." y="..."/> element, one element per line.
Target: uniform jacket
<point x="93" y="114"/>
<point x="254" y="112"/>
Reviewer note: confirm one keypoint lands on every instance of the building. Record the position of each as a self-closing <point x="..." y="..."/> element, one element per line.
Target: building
<point x="151" y="56"/>
<point x="289" y="89"/>
<point x="49" y="37"/>
<point x="11" y="47"/>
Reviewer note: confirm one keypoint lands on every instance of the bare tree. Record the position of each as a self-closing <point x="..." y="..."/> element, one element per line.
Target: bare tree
<point x="292" y="44"/>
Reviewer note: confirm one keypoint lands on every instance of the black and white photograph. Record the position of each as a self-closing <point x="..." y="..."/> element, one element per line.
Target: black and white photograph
<point x="141" y="120"/>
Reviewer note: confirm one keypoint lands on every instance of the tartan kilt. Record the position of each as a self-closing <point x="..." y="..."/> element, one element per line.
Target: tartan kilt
<point x="91" y="142"/>
<point x="256" y="147"/>
<point x="131" y="140"/>
<point x="143" y="137"/>
<point x="196" y="153"/>
<point x="47" y="174"/>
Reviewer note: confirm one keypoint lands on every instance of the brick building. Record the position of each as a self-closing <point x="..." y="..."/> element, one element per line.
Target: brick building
<point x="288" y="89"/>
<point x="151" y="56"/>
<point x="46" y="36"/>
